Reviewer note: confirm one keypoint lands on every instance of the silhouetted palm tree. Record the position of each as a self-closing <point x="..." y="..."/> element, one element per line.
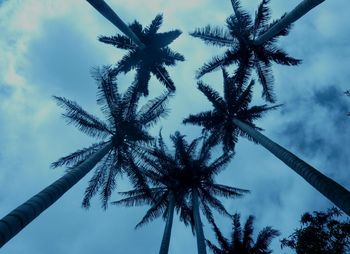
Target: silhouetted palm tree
<point x="125" y="128"/>
<point x="232" y="117"/>
<point x="242" y="242"/>
<point x="239" y="37"/>
<point x="183" y="180"/>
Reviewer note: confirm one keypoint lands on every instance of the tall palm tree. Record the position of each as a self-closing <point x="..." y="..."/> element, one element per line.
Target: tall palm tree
<point x="299" y="11"/>
<point x="242" y="242"/>
<point x="232" y="117"/>
<point x="239" y="37"/>
<point x="148" y="51"/>
<point x="184" y="180"/>
<point x="125" y="127"/>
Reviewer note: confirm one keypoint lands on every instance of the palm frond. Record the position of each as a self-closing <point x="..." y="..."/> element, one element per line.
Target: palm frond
<point x="203" y="118"/>
<point x="155" y="25"/>
<point x="97" y="180"/>
<point x="129" y="62"/>
<point x="163" y="76"/>
<point x="264" y="239"/>
<point x="154" y="212"/>
<point x="142" y="77"/>
<point x="80" y="118"/>
<point x="248" y="233"/>
<point x="262" y="16"/>
<point x="154" y="109"/>
<point x="107" y="96"/>
<point x="243" y="18"/>
<point x="136" y="27"/>
<point x="244" y="98"/>
<point x="227" y="191"/>
<point x="281" y="57"/>
<point x="213" y="96"/>
<point x="224" y="243"/>
<point x="213" y="35"/>
<point x="77" y="157"/>
<point x="263" y="71"/>
<point x="161" y="40"/>
<point x="213" y="64"/>
<point x="109" y="183"/>
<point x="170" y="57"/>
<point x="119" y="41"/>
<point x="236" y="236"/>
<point x="213" y="248"/>
<point x="213" y="202"/>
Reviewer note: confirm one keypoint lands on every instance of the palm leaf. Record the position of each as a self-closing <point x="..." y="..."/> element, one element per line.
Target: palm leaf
<point x="84" y="121"/>
<point x="118" y="41"/>
<point x="155" y="25"/>
<point x="213" y="35"/>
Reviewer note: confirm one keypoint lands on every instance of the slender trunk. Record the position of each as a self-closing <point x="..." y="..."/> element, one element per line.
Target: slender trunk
<point x="20" y="217"/>
<point x="336" y="193"/>
<point x="164" y="247"/>
<point x="198" y="223"/>
<point x="304" y="7"/>
<point x="103" y="8"/>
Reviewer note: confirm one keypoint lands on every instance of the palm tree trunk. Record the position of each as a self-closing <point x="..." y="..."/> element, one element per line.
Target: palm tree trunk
<point x="164" y="247"/>
<point x="16" y="220"/>
<point x="198" y="223"/>
<point x="103" y="8"/>
<point x="336" y="193"/>
<point x="304" y="7"/>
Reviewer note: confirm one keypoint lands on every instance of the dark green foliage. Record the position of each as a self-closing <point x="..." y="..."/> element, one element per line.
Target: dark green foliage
<point x="126" y="127"/>
<point x="179" y="172"/>
<point x="234" y="104"/>
<point x="151" y="59"/>
<point x="241" y="242"/>
<point x="239" y="37"/>
<point x="320" y="233"/>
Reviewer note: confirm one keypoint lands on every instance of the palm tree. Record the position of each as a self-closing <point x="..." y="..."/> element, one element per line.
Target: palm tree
<point x="182" y="180"/>
<point x="232" y="117"/>
<point x="239" y="37"/>
<point x="126" y="127"/>
<point x="148" y="51"/>
<point x="242" y="242"/>
<point x="300" y="10"/>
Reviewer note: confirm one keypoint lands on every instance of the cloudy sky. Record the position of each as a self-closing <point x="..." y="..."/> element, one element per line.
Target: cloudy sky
<point x="48" y="48"/>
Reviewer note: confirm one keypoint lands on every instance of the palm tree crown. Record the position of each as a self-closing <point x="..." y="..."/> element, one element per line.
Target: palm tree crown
<point x="234" y="104"/>
<point x="126" y="128"/>
<point x="239" y="37"/>
<point x="149" y="59"/>
<point x="242" y="242"/>
<point x="180" y="172"/>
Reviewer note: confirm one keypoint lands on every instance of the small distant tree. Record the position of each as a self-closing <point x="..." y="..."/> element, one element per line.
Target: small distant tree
<point x="320" y="233"/>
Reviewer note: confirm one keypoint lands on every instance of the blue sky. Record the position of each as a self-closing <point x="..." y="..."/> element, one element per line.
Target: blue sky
<point x="48" y="48"/>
